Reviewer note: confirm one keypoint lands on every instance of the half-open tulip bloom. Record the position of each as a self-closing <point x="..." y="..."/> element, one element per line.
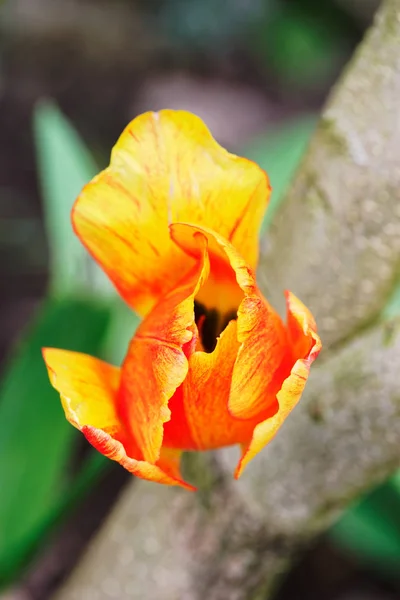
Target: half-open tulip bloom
<point x="174" y="222"/>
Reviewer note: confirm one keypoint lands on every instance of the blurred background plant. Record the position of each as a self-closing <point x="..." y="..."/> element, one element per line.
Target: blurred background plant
<point x="257" y="72"/>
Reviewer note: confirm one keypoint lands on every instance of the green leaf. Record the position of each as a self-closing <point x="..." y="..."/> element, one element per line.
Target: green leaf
<point x="93" y="468"/>
<point x="279" y="153"/>
<point x="65" y="166"/>
<point x="371" y="529"/>
<point x="36" y="441"/>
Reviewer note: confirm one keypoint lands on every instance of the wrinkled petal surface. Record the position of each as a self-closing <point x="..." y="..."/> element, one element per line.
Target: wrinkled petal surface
<point x="306" y="346"/>
<point x="88" y="389"/>
<point x="166" y="167"/>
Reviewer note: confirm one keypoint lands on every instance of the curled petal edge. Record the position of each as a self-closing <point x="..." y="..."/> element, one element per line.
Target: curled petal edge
<point x="292" y="387"/>
<point x="166" y="471"/>
<point x="74" y="375"/>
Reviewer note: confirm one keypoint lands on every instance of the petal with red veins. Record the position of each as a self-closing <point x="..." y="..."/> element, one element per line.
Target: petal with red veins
<point x="88" y="389"/>
<point x="156" y="363"/>
<point x="306" y="346"/>
<point x="166" y="167"/>
<point x="166" y="470"/>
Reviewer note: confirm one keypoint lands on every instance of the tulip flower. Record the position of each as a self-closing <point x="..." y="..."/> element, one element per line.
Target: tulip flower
<point x="174" y="222"/>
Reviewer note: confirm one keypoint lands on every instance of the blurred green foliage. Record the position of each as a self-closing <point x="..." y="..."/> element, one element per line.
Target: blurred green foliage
<point x="301" y="43"/>
<point x="370" y="530"/>
<point x="37" y="445"/>
<point x="65" y="165"/>
<point x="36" y="442"/>
<point x="208" y="24"/>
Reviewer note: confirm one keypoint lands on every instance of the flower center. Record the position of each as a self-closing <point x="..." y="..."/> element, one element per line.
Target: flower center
<point x="210" y="324"/>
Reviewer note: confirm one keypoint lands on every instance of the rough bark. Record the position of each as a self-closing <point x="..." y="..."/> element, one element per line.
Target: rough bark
<point x="336" y="243"/>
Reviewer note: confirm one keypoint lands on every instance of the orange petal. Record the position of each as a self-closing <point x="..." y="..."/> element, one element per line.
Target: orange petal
<point x="302" y="327"/>
<point x="165" y="471"/>
<point x="307" y="344"/>
<point x="264" y="356"/>
<point x="200" y="416"/>
<point x="88" y="389"/>
<point x="166" y="167"/>
<point x="156" y="363"/>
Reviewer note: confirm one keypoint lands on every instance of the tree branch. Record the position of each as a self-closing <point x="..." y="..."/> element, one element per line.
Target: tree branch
<point x="336" y="243"/>
<point x="336" y="240"/>
<point x="234" y="538"/>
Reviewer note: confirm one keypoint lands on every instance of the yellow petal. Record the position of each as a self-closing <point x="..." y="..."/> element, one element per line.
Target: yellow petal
<point x="88" y="389"/>
<point x="87" y="386"/>
<point x="166" y="167"/>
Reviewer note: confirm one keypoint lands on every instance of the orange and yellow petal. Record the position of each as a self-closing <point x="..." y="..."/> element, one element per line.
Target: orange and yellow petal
<point x="166" y="470"/>
<point x="166" y="167"/>
<point x="200" y="416"/>
<point x="88" y="388"/>
<point x="263" y="361"/>
<point x="157" y="360"/>
<point x="306" y="346"/>
<point x="302" y="328"/>
<point x="264" y="356"/>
